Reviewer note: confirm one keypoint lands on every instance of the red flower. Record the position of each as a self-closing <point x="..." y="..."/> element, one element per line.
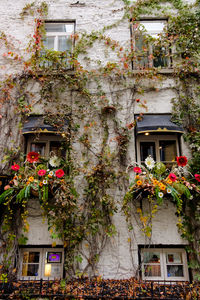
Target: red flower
<point x="137" y="170"/>
<point x="59" y="173"/>
<point x="15" y="167"/>
<point x="172" y="177"/>
<point x="181" y="161"/>
<point x="32" y="157"/>
<point x="197" y="177"/>
<point x="137" y="100"/>
<point x="42" y="172"/>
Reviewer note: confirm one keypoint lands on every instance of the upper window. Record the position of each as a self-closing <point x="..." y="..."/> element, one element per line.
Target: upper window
<point x="148" y="49"/>
<point x="41" y="263"/>
<point x="59" y="36"/>
<point x="164" y="264"/>
<point x="59" y="39"/>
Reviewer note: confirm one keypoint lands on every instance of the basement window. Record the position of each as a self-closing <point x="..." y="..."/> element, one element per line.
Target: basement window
<point x="41" y="263"/>
<point x="148" y="50"/>
<point x="164" y="264"/>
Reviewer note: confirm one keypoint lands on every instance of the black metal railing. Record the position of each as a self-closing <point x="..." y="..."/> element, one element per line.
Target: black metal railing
<point x="99" y="289"/>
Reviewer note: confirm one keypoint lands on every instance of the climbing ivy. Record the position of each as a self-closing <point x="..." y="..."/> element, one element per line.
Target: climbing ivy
<point x="90" y="220"/>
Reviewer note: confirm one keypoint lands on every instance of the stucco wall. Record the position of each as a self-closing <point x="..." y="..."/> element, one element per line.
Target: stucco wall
<point x="119" y="259"/>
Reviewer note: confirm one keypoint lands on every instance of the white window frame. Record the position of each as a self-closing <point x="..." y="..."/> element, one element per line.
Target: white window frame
<point x="163" y="264"/>
<point x="42" y="258"/>
<point x="136" y="33"/>
<point x="46" y="139"/>
<point x="155" y="139"/>
<point x="57" y="34"/>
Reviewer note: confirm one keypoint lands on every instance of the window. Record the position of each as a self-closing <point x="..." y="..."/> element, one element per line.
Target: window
<point x="45" y="263"/>
<point x="46" y="144"/>
<point x="162" y="148"/>
<point x="164" y="264"/>
<point x="146" y="45"/>
<point x="59" y="38"/>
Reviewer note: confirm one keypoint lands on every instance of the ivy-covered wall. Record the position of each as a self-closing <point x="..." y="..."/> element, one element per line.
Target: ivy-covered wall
<point x="100" y="95"/>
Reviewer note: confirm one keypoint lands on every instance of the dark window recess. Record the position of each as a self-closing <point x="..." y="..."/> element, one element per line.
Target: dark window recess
<point x="146" y="149"/>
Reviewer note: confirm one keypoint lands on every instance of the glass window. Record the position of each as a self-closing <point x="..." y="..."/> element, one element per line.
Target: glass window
<point x="162" y="148"/>
<point x="39" y="148"/>
<point x="30" y="265"/>
<point x="148" y="49"/>
<point x="164" y="264"/>
<point x="168" y="151"/>
<point x="146" y="149"/>
<point x="41" y="263"/>
<point x="59" y="36"/>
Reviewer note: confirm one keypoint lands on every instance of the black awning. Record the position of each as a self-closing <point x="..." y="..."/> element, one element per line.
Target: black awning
<point x="37" y="124"/>
<point x="157" y="123"/>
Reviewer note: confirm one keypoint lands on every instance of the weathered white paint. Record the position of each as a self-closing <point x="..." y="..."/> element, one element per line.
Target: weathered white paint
<point x="119" y="259"/>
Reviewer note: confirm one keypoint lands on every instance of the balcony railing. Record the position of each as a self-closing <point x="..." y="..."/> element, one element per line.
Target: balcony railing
<point x="99" y="289"/>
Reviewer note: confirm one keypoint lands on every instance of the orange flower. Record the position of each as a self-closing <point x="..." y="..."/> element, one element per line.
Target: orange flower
<point x="155" y="182"/>
<point x="27" y="183"/>
<point x="169" y="181"/>
<point x="139" y="182"/>
<point x="183" y="178"/>
<point x="137" y="177"/>
<point x="163" y="187"/>
<point x="41" y="184"/>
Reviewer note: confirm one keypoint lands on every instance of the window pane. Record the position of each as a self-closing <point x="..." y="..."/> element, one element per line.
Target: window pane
<point x="38" y="147"/>
<point x="53" y="270"/>
<point x="64" y="43"/>
<point x="153" y="27"/>
<point x="175" y="271"/>
<point x="60" y="27"/>
<point x="49" y="42"/>
<point x="174" y="258"/>
<point x="141" y="49"/>
<point x="160" y="59"/>
<point x="151" y="257"/>
<point x="30" y="269"/>
<point x="31" y="257"/>
<point x="146" y="149"/>
<point x="152" y="270"/>
<point x="167" y="150"/>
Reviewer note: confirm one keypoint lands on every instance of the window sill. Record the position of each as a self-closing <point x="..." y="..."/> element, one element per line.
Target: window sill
<point x="159" y="71"/>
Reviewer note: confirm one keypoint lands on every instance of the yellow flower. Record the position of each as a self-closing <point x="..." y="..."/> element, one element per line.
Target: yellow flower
<point x="139" y="182"/>
<point x="137" y="176"/>
<point x="160" y="184"/>
<point x="155" y="182"/>
<point x="169" y="181"/>
<point x="31" y="179"/>
<point x="163" y="187"/>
